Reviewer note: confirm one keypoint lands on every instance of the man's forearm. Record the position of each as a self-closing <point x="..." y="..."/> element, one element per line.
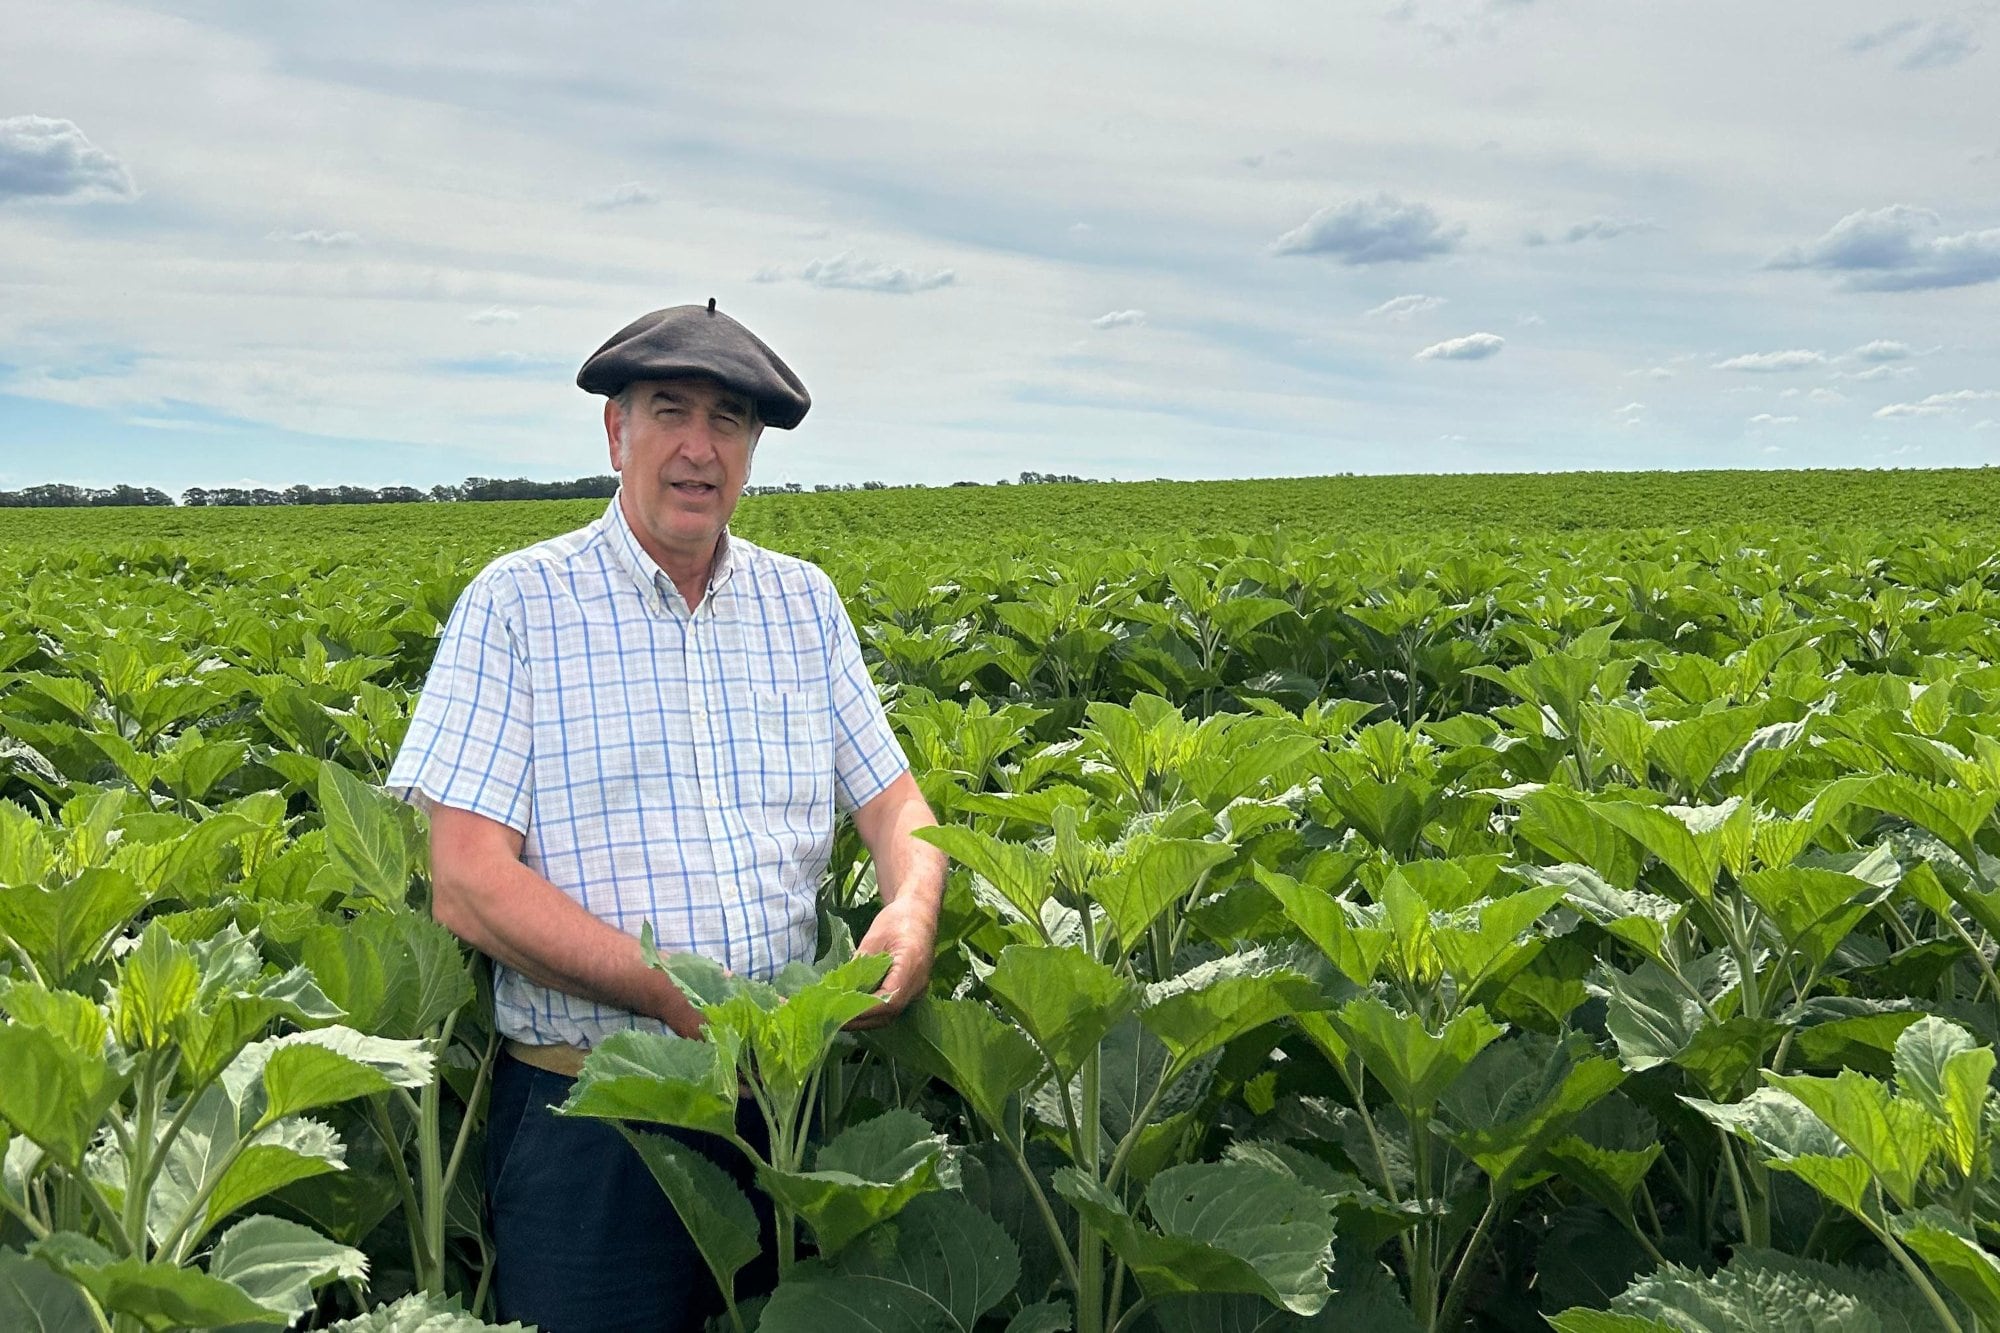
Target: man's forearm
<point x="499" y="906"/>
<point x="905" y="867"/>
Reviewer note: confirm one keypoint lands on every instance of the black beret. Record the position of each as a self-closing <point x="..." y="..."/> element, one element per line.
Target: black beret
<point x="698" y="340"/>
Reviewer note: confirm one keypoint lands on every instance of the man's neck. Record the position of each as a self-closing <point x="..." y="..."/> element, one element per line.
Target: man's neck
<point x="688" y="571"/>
<point x="690" y="574"/>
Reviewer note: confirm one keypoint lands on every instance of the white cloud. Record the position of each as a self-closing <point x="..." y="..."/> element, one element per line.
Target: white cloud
<point x="631" y="194"/>
<point x="1652" y="372"/>
<point x="320" y="238"/>
<point x="1772" y="449"/>
<point x="1828" y="396"/>
<point x="1932" y="45"/>
<point x="1766" y="419"/>
<point x="1118" y="319"/>
<point x="1596" y="229"/>
<point x="1630" y="415"/>
<point x="495" y="315"/>
<point x="1381" y="230"/>
<point x="46" y="158"/>
<point x="1948" y="42"/>
<point x="1883" y="372"/>
<point x="1405" y="307"/>
<point x="1530" y="320"/>
<point x="1882" y="349"/>
<point x="1988" y="424"/>
<point x="1894" y="249"/>
<point x="1764" y="363"/>
<point x="1472" y="347"/>
<point x="1938" y="404"/>
<point x="857" y="275"/>
<point x="1886" y="36"/>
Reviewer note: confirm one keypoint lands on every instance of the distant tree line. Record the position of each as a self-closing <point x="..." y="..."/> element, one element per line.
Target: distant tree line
<point x="61" y="496"/>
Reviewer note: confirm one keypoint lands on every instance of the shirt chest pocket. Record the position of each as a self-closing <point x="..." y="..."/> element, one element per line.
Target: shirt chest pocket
<point x="785" y="758"/>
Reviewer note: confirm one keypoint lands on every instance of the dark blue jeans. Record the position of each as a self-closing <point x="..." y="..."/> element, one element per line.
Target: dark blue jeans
<point x="585" y="1239"/>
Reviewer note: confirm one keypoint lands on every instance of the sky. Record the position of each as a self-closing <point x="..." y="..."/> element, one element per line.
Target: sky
<point x="245" y="243"/>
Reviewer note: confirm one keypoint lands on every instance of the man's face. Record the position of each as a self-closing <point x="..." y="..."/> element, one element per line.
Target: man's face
<point x="685" y="456"/>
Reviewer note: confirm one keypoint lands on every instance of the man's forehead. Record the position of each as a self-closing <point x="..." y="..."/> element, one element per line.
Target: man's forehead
<point x="681" y="386"/>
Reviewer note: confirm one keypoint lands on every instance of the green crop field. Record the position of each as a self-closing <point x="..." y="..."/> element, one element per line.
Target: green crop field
<point x="1377" y="903"/>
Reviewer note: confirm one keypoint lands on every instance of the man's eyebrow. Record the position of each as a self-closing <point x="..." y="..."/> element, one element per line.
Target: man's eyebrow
<point x="729" y="401"/>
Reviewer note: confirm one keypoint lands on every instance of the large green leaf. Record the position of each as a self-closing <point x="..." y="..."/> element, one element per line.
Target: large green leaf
<point x="307" y="1070"/>
<point x="291" y="1150"/>
<point x="156" y="985"/>
<point x="279" y="1264"/>
<point x="1955" y="1254"/>
<point x="53" y="1094"/>
<point x="1758" y="1292"/>
<point x="63" y="928"/>
<point x="365" y="837"/>
<point x="659" y="1079"/>
<point x="1938" y="1065"/>
<point x="711" y="1205"/>
<point x="423" y="1312"/>
<point x="72" y="1018"/>
<point x="159" y="1296"/>
<point x="1153" y="878"/>
<point x="1694" y="859"/>
<point x="1323" y="919"/>
<point x="33" y="1299"/>
<point x="1022" y="875"/>
<point x="1500" y="1149"/>
<point x="1893" y="1135"/>
<point x="1064" y="999"/>
<point x="967" y="1045"/>
<point x="868" y="1173"/>
<point x="1414" y="1064"/>
<point x="1220" y="1000"/>
<point x="1222" y="1227"/>
<point x="941" y="1261"/>
<point x="397" y="974"/>
<point x="1650" y="1016"/>
<point x="1813" y="909"/>
<point x="1562" y="824"/>
<point x="791" y="1026"/>
<point x="1609" y="1175"/>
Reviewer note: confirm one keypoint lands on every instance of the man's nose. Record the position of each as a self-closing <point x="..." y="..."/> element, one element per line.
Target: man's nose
<point x="701" y="440"/>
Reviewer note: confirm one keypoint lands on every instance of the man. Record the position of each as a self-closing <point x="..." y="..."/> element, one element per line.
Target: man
<point x="647" y="720"/>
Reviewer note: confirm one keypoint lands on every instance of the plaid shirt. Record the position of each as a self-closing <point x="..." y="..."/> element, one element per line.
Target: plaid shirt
<point x="665" y="766"/>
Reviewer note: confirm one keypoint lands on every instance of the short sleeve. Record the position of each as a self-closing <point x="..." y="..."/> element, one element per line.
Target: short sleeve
<point x="469" y="744"/>
<point x="866" y="756"/>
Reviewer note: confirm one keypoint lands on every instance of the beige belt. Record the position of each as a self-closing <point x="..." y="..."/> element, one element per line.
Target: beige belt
<point x="559" y="1059"/>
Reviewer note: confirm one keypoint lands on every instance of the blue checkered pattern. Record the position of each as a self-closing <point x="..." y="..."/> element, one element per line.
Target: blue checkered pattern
<point x="677" y="768"/>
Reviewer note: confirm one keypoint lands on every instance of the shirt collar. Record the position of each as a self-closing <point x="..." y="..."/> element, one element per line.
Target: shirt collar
<point x="646" y="572"/>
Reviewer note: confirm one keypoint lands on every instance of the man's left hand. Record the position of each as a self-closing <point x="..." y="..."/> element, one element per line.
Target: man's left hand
<point x="906" y="930"/>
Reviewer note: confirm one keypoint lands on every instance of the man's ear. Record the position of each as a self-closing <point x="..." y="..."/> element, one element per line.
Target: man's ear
<point x="614" y="428"/>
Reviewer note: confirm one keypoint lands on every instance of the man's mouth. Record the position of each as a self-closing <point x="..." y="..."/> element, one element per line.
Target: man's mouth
<point x="696" y="488"/>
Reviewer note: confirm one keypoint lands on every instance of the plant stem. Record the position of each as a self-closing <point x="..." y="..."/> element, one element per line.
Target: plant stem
<point x="140" y="1161"/>
<point x="471" y="1104"/>
<point x="1455" y="1294"/>
<point x="1042" y="1205"/>
<point x="28" y="1219"/>
<point x="1138" y="1308"/>
<point x="1736" y="1185"/>
<point x="392" y="1147"/>
<point x="430" y="1155"/>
